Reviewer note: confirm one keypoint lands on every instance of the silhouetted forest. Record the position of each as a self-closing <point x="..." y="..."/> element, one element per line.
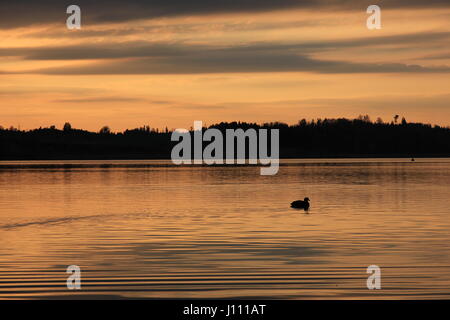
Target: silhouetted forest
<point x="317" y="138"/>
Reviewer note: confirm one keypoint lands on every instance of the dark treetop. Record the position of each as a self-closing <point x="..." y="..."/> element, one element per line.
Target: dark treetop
<point x="318" y="138"/>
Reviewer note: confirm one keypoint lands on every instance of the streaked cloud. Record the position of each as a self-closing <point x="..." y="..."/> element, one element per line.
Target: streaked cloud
<point x="99" y="99"/>
<point x="27" y="12"/>
<point x="179" y="58"/>
<point x="141" y="49"/>
<point x="237" y="63"/>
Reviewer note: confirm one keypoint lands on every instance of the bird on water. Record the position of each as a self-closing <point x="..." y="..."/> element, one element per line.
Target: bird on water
<point x="301" y="204"/>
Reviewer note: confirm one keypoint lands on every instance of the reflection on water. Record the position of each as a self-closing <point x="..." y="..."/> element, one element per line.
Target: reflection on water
<point x="150" y="229"/>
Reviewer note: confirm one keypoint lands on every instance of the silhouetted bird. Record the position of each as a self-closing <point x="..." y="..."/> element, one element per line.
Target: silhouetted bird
<point x="299" y="204"/>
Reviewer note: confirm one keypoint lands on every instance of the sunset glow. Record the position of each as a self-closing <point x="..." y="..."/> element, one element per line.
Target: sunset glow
<point x="268" y="65"/>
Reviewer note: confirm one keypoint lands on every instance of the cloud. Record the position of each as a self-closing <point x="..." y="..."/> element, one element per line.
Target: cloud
<point x="44" y="90"/>
<point x="141" y="49"/>
<point x="237" y="64"/>
<point x="234" y="59"/>
<point x="440" y="102"/>
<point x="21" y="13"/>
<point x="444" y="56"/>
<point x="123" y="30"/>
<point x="99" y="99"/>
<point x="98" y="51"/>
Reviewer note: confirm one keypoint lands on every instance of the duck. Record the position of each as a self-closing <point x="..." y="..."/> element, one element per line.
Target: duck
<point x="301" y="204"/>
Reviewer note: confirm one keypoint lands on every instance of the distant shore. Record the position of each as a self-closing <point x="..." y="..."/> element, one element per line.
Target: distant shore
<point x="321" y="138"/>
<point x="393" y="157"/>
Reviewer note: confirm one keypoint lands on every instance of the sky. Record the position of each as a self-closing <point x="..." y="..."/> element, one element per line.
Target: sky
<point x="172" y="62"/>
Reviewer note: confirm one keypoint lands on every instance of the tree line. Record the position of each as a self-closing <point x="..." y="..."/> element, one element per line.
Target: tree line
<point x="341" y="137"/>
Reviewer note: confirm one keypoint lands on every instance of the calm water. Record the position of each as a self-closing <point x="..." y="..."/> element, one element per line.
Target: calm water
<point x="151" y="229"/>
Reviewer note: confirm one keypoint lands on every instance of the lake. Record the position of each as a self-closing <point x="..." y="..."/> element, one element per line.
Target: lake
<point x="149" y="229"/>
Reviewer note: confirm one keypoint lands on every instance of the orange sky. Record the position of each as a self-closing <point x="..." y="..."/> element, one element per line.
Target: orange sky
<point x="274" y="65"/>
